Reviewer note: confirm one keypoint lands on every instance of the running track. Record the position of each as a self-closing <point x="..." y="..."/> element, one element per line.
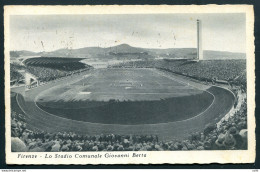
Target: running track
<point x="37" y="118"/>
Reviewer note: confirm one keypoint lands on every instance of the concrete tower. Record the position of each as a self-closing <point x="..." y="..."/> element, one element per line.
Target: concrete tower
<point x="199" y="41"/>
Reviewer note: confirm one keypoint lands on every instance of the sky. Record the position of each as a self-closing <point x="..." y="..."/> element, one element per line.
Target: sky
<point x="221" y="32"/>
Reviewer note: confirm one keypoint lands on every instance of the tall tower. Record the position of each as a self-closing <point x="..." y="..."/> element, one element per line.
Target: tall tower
<point x="199" y="41"/>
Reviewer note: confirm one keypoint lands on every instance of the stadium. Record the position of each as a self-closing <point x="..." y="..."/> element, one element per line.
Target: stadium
<point x="142" y="102"/>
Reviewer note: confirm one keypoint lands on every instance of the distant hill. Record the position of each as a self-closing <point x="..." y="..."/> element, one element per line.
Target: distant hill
<point x="95" y="52"/>
<point x="82" y="52"/>
<point x="208" y="55"/>
<point x="174" y="52"/>
<point x="125" y="48"/>
<point x="125" y="51"/>
<point x="192" y="53"/>
<point x="22" y="53"/>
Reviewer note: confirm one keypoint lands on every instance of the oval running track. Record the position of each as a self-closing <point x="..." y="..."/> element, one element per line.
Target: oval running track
<point x="39" y="119"/>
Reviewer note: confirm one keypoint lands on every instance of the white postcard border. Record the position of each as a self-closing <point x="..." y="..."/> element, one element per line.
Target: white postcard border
<point x="153" y="157"/>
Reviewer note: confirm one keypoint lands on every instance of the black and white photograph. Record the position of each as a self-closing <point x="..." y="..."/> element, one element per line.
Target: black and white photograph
<point x="124" y="85"/>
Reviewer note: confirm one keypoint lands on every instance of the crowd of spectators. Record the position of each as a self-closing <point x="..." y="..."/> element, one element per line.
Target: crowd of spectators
<point x="227" y="70"/>
<point x="44" y="74"/>
<point x="46" y="69"/>
<point x="15" y="75"/>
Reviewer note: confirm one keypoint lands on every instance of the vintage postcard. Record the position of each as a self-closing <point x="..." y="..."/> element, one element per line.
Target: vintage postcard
<point x="129" y="84"/>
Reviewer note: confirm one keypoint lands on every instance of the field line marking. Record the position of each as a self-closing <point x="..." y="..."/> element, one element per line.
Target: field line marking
<point x="158" y="83"/>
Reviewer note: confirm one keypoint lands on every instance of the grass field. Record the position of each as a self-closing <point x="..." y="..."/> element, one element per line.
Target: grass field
<point x="119" y="84"/>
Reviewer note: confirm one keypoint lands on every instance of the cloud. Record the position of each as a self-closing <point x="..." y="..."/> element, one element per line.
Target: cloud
<point x="224" y="32"/>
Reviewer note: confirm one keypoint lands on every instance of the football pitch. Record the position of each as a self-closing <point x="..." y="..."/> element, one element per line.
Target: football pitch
<point x="121" y="85"/>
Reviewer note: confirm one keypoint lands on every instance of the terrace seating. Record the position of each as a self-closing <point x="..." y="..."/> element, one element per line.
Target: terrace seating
<point x="56" y="63"/>
<point x="228" y="70"/>
<point x="15" y="76"/>
<point x="44" y="74"/>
